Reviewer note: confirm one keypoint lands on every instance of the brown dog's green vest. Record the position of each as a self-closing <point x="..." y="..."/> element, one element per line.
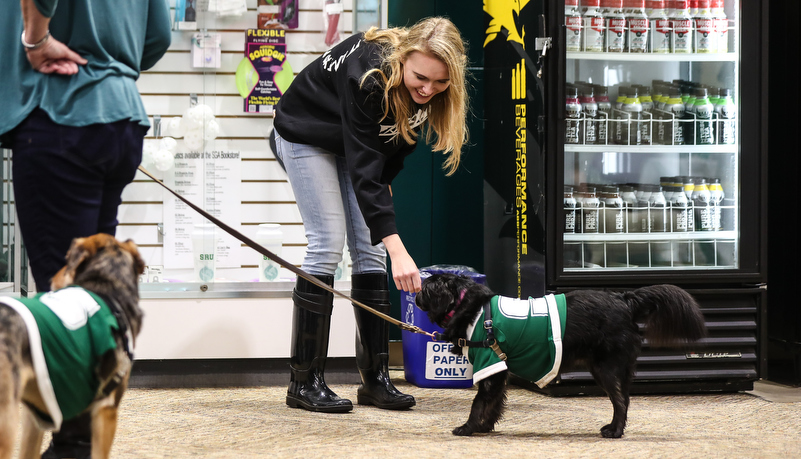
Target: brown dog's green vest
<point x="69" y="330"/>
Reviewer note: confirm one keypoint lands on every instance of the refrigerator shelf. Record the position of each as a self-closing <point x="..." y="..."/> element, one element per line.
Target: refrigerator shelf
<point x="644" y="237"/>
<point x="653" y="57"/>
<point x="613" y="148"/>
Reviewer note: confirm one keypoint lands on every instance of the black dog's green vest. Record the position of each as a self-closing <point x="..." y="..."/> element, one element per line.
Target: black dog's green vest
<point x="69" y="330"/>
<point x="529" y="332"/>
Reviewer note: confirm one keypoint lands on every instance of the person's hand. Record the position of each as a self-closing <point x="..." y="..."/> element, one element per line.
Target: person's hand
<point x="55" y="57"/>
<point x="404" y="270"/>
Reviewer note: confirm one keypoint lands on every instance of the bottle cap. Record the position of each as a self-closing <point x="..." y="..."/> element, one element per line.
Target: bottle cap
<point x="634" y="4"/>
<point x="601" y="90"/>
<point x="591" y="3"/>
<point x="571" y="2"/>
<point x="612" y="4"/>
<point x="571" y="91"/>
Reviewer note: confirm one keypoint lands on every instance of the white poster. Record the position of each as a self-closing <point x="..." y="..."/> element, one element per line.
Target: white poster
<point x="210" y="180"/>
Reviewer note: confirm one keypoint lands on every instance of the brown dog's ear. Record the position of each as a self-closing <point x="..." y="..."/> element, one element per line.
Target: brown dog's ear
<point x="139" y="263"/>
<point x="76" y="255"/>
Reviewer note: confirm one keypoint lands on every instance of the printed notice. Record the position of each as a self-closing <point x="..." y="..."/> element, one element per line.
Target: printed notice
<point x="441" y="364"/>
<point x="211" y="180"/>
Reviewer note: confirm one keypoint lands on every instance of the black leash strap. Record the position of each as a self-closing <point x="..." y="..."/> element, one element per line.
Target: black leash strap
<point x="258" y="248"/>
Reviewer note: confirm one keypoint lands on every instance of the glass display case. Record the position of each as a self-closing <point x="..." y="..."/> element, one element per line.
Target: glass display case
<point x="652" y="158"/>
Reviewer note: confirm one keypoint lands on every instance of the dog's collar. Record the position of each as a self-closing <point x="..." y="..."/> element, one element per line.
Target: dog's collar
<point x="490" y="342"/>
<point x="449" y="316"/>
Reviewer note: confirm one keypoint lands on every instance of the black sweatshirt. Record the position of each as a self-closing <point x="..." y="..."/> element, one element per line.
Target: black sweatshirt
<point x="326" y="107"/>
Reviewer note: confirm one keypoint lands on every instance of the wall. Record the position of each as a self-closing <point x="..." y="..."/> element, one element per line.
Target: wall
<point x="440" y="218"/>
<point x="190" y="326"/>
<point x="266" y="194"/>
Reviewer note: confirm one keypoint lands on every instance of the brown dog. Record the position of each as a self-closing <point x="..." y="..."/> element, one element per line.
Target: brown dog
<point x="95" y="302"/>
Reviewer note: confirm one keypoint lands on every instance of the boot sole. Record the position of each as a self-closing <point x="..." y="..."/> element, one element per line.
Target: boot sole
<point x="296" y="403"/>
<point x="362" y="400"/>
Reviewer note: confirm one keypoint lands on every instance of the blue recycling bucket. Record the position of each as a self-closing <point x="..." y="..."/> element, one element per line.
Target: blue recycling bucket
<point x="428" y="363"/>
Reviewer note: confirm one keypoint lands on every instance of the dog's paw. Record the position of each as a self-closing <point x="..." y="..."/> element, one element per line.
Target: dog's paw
<point x="610" y="431"/>
<point x="463" y="431"/>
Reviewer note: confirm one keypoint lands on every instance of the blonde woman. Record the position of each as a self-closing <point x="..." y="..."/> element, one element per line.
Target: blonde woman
<point x="343" y="129"/>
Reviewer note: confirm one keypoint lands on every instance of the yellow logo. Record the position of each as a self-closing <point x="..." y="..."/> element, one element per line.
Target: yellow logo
<point x="505" y="14"/>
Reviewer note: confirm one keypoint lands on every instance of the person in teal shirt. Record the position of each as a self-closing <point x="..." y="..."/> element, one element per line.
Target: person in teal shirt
<point x="75" y="123"/>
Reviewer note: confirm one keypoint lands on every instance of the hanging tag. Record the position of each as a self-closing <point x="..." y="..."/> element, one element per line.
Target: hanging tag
<point x="206" y="50"/>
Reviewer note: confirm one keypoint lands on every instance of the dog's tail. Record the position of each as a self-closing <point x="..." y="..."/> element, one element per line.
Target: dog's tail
<point x="671" y="315"/>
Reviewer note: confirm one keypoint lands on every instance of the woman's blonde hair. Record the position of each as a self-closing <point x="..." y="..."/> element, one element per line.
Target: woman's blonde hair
<point x="447" y="117"/>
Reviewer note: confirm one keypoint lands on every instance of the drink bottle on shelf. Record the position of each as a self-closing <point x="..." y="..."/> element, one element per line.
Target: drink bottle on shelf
<point x="616" y="26"/>
<point x="604" y="111"/>
<point x="716" y="196"/>
<point x="630" y="206"/>
<point x="572" y="116"/>
<point x="680" y="222"/>
<point x="590" y="205"/>
<point x="705" y="39"/>
<point x="638" y="26"/>
<point x="647" y="107"/>
<point x="643" y="203"/>
<point x="667" y="187"/>
<point x="679" y="209"/>
<point x="726" y="111"/>
<point x="614" y="211"/>
<point x="659" y="36"/>
<point x="689" y="187"/>
<point x="589" y="110"/>
<point x="721" y="25"/>
<point x="689" y="117"/>
<point x="702" y="204"/>
<point x="704" y="126"/>
<point x="594" y="28"/>
<point x="569" y="210"/>
<point x="633" y="107"/>
<point x="681" y="38"/>
<point x="573" y="25"/>
<point x="676" y="108"/>
<point x="621" y="97"/>
<point x="657" y="210"/>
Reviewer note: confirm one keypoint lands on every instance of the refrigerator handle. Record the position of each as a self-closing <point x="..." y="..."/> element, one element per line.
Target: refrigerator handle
<point x="542" y="44"/>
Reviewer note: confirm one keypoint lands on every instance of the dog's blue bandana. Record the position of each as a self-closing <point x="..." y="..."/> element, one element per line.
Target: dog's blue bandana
<point x="529" y="332"/>
<point x="69" y="330"/>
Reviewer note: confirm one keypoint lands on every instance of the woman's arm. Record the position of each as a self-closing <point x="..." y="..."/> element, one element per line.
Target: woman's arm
<point x="49" y="55"/>
<point x="404" y="269"/>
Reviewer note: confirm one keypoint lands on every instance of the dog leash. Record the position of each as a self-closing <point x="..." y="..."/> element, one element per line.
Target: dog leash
<point x="258" y="248"/>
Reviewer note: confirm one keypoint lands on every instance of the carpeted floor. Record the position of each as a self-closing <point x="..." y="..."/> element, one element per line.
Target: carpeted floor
<point x="255" y="423"/>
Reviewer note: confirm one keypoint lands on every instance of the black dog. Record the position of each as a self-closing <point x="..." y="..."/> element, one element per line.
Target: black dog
<point x="600" y="330"/>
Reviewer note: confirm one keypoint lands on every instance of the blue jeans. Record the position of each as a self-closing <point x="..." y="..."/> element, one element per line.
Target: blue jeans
<point x="328" y="207"/>
<point x="68" y="183"/>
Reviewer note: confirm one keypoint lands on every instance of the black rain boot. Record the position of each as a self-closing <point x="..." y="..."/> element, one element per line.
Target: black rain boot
<point x="311" y="322"/>
<point x="372" y="344"/>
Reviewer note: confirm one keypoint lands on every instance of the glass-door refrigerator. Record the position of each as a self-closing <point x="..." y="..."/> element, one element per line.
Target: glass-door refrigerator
<point x="626" y="149"/>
